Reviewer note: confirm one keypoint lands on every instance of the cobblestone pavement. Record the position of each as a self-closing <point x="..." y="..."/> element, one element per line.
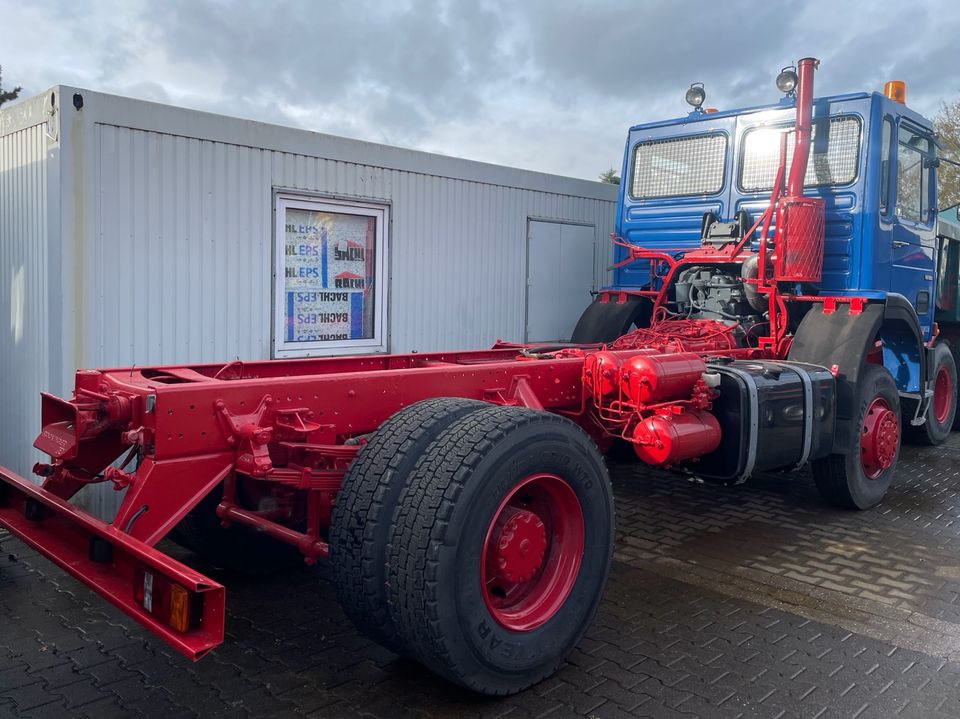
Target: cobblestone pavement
<point x="723" y="602"/>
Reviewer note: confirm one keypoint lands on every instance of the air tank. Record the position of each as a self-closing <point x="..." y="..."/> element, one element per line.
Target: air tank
<point x="650" y="379"/>
<point x="671" y="438"/>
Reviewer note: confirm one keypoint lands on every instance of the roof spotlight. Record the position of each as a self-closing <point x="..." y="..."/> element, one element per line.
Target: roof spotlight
<point x="787" y="80"/>
<point x="696" y="95"/>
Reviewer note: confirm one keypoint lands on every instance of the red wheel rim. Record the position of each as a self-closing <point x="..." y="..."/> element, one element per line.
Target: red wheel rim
<point x="879" y="438"/>
<point x="942" y="395"/>
<point x="532" y="552"/>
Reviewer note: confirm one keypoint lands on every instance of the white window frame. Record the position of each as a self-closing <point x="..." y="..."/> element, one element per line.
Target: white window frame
<point x="282" y="348"/>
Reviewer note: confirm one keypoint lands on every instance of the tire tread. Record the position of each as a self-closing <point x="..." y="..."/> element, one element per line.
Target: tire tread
<point x="365" y="504"/>
<point x="421" y="525"/>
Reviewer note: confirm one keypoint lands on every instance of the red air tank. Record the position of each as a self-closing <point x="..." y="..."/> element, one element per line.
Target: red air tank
<point x="602" y="369"/>
<point x="601" y="372"/>
<point x="650" y="379"/>
<point x="671" y="438"/>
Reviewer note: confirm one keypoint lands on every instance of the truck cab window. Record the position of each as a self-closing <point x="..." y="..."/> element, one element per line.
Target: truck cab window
<point x="885" y="165"/>
<point x="833" y="159"/>
<point x="913" y="179"/>
<point x="679" y="166"/>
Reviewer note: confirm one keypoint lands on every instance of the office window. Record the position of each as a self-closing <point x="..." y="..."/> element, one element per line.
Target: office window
<point x="330" y="277"/>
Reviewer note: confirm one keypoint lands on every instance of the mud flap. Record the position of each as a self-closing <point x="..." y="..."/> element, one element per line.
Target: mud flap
<point x="842" y="339"/>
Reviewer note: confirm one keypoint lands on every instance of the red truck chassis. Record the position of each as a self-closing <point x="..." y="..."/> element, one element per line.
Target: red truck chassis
<point x="283" y="433"/>
<point x="462" y="496"/>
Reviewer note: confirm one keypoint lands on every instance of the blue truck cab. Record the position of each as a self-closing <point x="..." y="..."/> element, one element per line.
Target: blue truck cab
<point x="887" y="297"/>
<point x="870" y="162"/>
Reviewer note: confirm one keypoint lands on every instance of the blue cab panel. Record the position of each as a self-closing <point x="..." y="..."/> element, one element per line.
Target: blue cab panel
<point x="879" y="235"/>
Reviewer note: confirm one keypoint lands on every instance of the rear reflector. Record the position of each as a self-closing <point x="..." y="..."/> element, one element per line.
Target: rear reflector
<point x="179" y="608"/>
<point x="167" y="601"/>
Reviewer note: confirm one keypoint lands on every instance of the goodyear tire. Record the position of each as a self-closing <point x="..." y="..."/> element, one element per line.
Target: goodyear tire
<point x="860" y="477"/>
<point x="953" y="346"/>
<point x="942" y="410"/>
<point x="606" y="321"/>
<point x="360" y="525"/>
<point x="500" y="548"/>
<point x="237" y="548"/>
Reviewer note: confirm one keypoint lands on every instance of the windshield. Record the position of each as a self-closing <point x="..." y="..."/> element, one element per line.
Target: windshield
<point x="679" y="166"/>
<point x="833" y="159"/>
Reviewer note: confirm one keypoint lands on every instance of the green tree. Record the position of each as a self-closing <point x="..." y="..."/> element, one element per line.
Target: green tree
<point x="7" y="96"/>
<point x="947" y="125"/>
<point x="610" y="177"/>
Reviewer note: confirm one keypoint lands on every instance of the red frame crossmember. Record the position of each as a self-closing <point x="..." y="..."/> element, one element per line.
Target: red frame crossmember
<point x="108" y="561"/>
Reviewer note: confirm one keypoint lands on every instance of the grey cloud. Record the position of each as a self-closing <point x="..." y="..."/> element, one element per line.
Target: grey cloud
<point x="542" y="84"/>
<point x="320" y="52"/>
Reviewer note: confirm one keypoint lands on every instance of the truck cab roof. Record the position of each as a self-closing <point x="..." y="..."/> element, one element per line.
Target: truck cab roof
<point x="785" y="103"/>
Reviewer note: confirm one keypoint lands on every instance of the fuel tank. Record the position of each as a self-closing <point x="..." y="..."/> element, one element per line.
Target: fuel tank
<point x="773" y="415"/>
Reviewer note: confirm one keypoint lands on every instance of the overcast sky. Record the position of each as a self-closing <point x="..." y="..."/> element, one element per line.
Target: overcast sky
<point x="539" y="84"/>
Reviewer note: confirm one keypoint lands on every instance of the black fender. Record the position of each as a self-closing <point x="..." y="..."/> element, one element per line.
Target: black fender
<point x="844" y="338"/>
<point x="606" y="321"/>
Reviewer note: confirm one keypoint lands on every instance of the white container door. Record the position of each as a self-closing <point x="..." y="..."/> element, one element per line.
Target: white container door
<point x="560" y="276"/>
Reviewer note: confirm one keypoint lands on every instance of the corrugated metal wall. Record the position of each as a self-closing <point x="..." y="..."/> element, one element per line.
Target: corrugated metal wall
<point x="182" y="251"/>
<point x="25" y="352"/>
<point x="184" y="236"/>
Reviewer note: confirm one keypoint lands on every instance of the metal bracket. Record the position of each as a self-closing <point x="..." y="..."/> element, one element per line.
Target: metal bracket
<point x="244" y="431"/>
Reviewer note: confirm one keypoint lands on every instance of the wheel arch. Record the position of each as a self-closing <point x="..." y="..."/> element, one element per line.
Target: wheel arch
<point x="904" y="351"/>
<point x="844" y="337"/>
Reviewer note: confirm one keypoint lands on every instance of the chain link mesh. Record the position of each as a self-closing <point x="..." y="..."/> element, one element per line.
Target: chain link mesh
<point x="679" y="166"/>
<point x="833" y="160"/>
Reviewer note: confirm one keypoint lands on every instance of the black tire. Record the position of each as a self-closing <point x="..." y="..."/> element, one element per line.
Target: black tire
<point x="361" y="521"/>
<point x="237" y="548"/>
<point x="956" y="363"/>
<point x="606" y="321"/>
<point x="935" y="431"/>
<point x="440" y="527"/>
<point x="841" y="478"/>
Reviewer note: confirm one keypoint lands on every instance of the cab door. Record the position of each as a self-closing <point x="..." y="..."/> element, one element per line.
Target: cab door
<point x="912" y="235"/>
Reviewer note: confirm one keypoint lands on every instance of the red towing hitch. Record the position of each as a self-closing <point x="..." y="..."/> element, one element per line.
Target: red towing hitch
<point x="180" y="605"/>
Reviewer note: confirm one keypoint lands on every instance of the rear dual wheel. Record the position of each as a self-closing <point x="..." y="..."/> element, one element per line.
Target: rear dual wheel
<point x="500" y="541"/>
<point x="361" y="520"/>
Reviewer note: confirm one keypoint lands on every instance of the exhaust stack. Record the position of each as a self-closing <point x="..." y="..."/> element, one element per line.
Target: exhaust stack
<point x="801" y="150"/>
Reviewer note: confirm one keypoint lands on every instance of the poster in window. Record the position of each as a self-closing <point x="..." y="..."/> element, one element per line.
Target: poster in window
<point x="329" y="276"/>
